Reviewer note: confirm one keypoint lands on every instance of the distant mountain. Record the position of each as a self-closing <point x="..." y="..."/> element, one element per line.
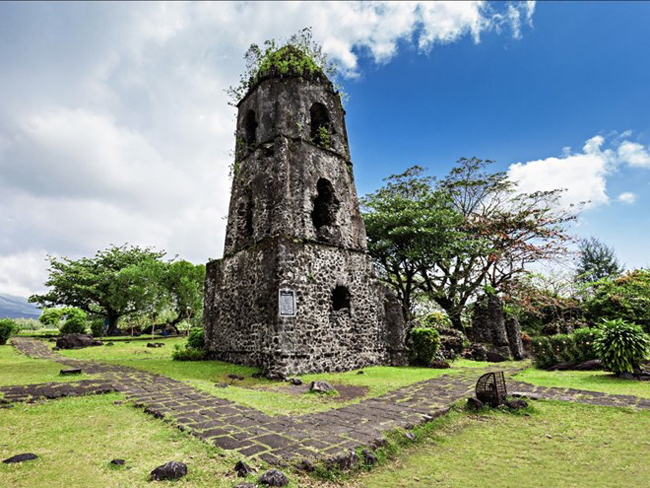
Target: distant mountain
<point x="15" y="307"/>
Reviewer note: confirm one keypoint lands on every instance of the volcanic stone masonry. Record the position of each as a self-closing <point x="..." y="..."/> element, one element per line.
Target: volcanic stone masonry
<point x="295" y="291"/>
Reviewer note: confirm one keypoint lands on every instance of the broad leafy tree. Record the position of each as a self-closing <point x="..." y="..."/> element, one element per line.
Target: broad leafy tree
<point x="455" y="236"/>
<point x="115" y="282"/>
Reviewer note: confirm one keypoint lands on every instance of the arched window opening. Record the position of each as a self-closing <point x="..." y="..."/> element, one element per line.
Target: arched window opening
<point x="250" y="125"/>
<point x="320" y="125"/>
<point x="325" y="205"/>
<point x="340" y="298"/>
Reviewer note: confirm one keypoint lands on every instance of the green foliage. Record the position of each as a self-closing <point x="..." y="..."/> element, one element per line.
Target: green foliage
<point x="74" y="321"/>
<point x="50" y="317"/>
<point x="583" y="344"/>
<point x="596" y="261"/>
<point x="7" y="327"/>
<point x="187" y="353"/>
<point x="424" y="343"/>
<point x="621" y="346"/>
<point x="300" y="55"/>
<point x="436" y="320"/>
<point x="626" y="297"/>
<point x="451" y="238"/>
<point x="565" y="348"/>
<point x="322" y="137"/>
<point x="97" y="326"/>
<point x="196" y="338"/>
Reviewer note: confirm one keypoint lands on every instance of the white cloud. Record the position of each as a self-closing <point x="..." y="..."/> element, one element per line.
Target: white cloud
<point x="627" y="197"/>
<point x="114" y="124"/>
<point x="583" y="176"/>
<point x="634" y="154"/>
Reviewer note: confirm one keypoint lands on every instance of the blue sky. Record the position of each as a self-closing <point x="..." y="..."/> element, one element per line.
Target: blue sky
<point x="114" y="124"/>
<point x="581" y="70"/>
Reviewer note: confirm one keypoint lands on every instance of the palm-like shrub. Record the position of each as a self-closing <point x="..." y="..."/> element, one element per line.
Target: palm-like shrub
<point x="621" y="346"/>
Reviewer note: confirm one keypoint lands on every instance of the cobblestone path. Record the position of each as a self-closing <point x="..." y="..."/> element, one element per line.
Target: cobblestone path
<point x="329" y="435"/>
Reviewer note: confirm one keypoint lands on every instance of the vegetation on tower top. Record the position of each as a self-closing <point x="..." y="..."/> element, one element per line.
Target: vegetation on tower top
<point x="300" y="55"/>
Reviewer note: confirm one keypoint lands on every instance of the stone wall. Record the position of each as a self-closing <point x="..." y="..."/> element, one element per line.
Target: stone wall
<point x="244" y="326"/>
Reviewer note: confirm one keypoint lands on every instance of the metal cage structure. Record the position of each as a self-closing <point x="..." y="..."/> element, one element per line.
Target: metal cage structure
<point x="491" y="388"/>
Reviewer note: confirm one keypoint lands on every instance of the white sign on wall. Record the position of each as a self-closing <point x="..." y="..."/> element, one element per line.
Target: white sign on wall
<point x="287" y="302"/>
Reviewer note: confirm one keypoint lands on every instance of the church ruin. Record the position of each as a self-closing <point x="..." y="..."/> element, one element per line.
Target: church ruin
<point x="296" y="291"/>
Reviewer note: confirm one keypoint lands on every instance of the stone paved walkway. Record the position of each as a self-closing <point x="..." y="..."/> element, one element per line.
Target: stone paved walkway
<point x="329" y="435"/>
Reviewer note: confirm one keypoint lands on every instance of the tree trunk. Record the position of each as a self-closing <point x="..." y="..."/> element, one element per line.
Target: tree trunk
<point x="112" y="324"/>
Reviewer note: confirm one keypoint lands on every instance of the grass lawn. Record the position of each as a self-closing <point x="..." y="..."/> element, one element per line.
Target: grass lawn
<point x="586" y="380"/>
<point x="270" y="397"/>
<point x="18" y="369"/>
<point x="560" y="445"/>
<point x="76" y="438"/>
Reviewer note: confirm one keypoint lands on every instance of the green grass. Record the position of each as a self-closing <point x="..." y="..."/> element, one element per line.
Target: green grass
<point x="560" y="445"/>
<point x="18" y="369"/>
<point x="270" y="397"/>
<point x="585" y="380"/>
<point x="76" y="438"/>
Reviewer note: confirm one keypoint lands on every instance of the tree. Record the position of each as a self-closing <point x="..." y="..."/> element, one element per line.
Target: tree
<point x="408" y="224"/>
<point x="596" y="261"/>
<point x="484" y="232"/>
<point x="110" y="284"/>
<point x="183" y="282"/>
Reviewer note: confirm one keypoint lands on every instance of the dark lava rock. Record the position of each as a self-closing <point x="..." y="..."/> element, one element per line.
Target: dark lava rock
<point x="118" y="462"/>
<point x="109" y="344"/>
<point x="516" y="404"/>
<point x="257" y="375"/>
<point x="562" y="367"/>
<point x="97" y="343"/>
<point x="155" y="344"/>
<point x="360" y="372"/>
<point x="71" y="371"/>
<point x="321" y="387"/>
<point x="56" y="348"/>
<point x="19" y="458"/>
<point x="369" y="457"/>
<point x="306" y="465"/>
<point x="592" y="365"/>
<point x="474" y="403"/>
<point x="172" y="470"/>
<point x="273" y="477"/>
<point x="236" y="377"/>
<point x="440" y="364"/>
<point x="626" y="376"/>
<point x="295" y="381"/>
<point x="344" y="461"/>
<point x="221" y="385"/>
<point x="74" y="341"/>
<point x="475" y="352"/>
<point x="242" y="469"/>
<point x="495" y="357"/>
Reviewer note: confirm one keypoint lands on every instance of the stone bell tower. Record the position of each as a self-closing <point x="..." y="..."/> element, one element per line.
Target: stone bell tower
<point x="295" y="291"/>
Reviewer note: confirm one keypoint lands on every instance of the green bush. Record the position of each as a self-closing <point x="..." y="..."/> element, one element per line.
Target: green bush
<point x="97" y="326"/>
<point x="436" y="320"/>
<point x="626" y="297"/>
<point x="74" y="321"/>
<point x="187" y="353"/>
<point x="583" y="344"/>
<point x="196" y="339"/>
<point x="622" y="347"/>
<point x="7" y="327"/>
<point x="424" y="344"/>
<point x="50" y="317"/>
<point x="543" y="352"/>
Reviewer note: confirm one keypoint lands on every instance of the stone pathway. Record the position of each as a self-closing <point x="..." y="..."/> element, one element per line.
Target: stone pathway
<point x="329" y="435"/>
